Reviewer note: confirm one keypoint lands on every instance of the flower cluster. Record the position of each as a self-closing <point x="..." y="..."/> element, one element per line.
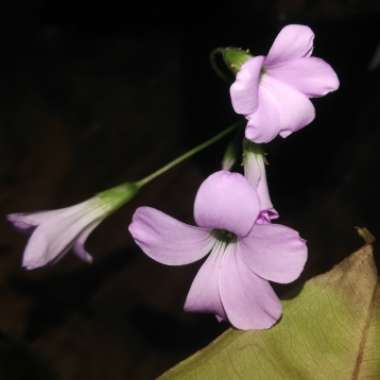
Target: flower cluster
<point x="233" y="212"/>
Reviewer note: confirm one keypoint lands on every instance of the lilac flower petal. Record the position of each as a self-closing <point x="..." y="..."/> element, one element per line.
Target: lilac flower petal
<point x="50" y="240"/>
<point x="274" y="252"/>
<point x="20" y="224"/>
<point x="79" y="244"/>
<point x="226" y="201"/>
<point x="244" y="91"/>
<point x="266" y="216"/>
<point x="204" y="294"/>
<point x="34" y="256"/>
<point x="282" y="110"/>
<point x="249" y="300"/>
<point x="168" y="240"/>
<point x="311" y="76"/>
<point x="263" y="125"/>
<point x="293" y="41"/>
<point x="255" y="172"/>
<point x="26" y="221"/>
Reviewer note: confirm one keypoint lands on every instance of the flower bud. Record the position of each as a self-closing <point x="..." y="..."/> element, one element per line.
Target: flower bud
<point x="234" y="58"/>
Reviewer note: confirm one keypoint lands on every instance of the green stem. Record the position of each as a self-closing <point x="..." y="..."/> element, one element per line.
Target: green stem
<point x="187" y="155"/>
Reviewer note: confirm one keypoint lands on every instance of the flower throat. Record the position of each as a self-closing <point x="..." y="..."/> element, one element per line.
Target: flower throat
<point x="224" y="236"/>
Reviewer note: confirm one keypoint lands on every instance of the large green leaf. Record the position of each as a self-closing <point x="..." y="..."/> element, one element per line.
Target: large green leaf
<point x="330" y="330"/>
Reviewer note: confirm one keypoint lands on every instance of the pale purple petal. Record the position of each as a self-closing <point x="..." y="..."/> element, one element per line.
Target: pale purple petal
<point x="294" y="41"/>
<point x="168" y="240"/>
<point x="50" y="240"/>
<point x="282" y="110"/>
<point x="263" y="124"/>
<point x="79" y="244"/>
<point x="244" y="91"/>
<point x="249" y="300"/>
<point x="274" y="252"/>
<point x="18" y="222"/>
<point x="255" y="172"/>
<point x="312" y="76"/>
<point x="266" y="216"/>
<point x="204" y="294"/>
<point x="226" y="201"/>
<point x="34" y="256"/>
<point x="27" y="221"/>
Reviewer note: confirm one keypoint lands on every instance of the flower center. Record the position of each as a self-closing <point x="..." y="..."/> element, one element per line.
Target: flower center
<point x="223" y="236"/>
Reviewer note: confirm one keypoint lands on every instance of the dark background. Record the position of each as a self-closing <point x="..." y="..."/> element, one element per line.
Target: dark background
<point x="111" y="96"/>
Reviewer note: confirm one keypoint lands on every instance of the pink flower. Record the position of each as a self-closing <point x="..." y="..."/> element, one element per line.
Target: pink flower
<point x="273" y="91"/>
<point x="233" y="282"/>
<point x="56" y="232"/>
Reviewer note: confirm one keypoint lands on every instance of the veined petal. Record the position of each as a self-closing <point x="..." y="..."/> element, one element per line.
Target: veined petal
<point x="282" y="110"/>
<point x="226" y="201"/>
<point x="249" y="300"/>
<point x="274" y="252"/>
<point x="50" y="240"/>
<point x="294" y="41"/>
<point x="312" y="76"/>
<point x="167" y="240"/>
<point x="25" y="221"/>
<point x="79" y="244"/>
<point x="244" y="91"/>
<point x="204" y="294"/>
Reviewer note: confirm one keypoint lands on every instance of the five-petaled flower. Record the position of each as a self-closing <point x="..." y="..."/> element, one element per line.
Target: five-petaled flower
<point x="56" y="232"/>
<point x="273" y="91"/>
<point x="233" y="282"/>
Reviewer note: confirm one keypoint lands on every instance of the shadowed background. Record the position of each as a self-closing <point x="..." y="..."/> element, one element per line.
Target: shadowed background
<point x="85" y="106"/>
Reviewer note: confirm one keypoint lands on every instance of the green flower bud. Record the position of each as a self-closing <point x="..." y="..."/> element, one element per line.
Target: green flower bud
<point x="234" y="58"/>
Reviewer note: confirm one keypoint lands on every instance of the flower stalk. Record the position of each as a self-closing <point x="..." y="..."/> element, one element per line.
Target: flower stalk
<point x="187" y="155"/>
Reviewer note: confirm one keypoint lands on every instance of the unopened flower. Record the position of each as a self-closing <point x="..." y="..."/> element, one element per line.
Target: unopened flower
<point x="233" y="282"/>
<point x="273" y="91"/>
<point x="255" y="172"/>
<point x="56" y="232"/>
<point x="230" y="156"/>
